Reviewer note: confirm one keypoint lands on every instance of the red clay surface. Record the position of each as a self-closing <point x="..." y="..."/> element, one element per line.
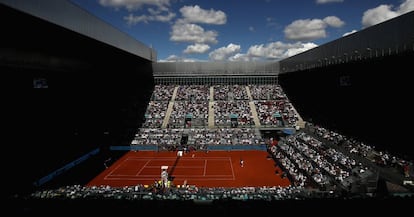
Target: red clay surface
<point x="202" y="169"/>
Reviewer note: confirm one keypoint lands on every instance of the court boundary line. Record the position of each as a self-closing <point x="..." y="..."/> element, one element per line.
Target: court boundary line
<point x="138" y="177"/>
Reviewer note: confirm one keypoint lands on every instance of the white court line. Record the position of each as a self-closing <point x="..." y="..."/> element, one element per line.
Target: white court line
<point x="205" y="167"/>
<point x="232" y="170"/>
<point x="119" y="165"/>
<point x="110" y="176"/>
<point x="182" y="158"/>
<point x="175" y="178"/>
<point x="142" y="168"/>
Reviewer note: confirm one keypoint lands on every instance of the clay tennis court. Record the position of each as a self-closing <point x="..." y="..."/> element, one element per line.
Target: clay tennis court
<point x="202" y="169"/>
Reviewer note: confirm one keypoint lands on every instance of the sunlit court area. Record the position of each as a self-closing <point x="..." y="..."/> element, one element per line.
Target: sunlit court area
<point x="196" y="168"/>
<point x="97" y="123"/>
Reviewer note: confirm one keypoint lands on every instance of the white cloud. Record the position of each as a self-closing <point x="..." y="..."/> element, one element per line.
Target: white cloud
<point x="299" y="48"/>
<point x="333" y="21"/>
<point x="348" y="33"/>
<point x="195" y="14"/>
<point x="158" y="10"/>
<point x="224" y="53"/>
<point x="406" y="6"/>
<point x="134" y="4"/>
<point x="311" y="29"/>
<point x="271" y="51"/>
<point x="192" y="33"/>
<point x="132" y="19"/>
<point x="196" y="48"/>
<point x="378" y="15"/>
<point x="305" y="30"/>
<point x="175" y="58"/>
<point x="239" y="57"/>
<point x="327" y="1"/>
<point x="278" y="50"/>
<point x="187" y="29"/>
<point x="382" y="13"/>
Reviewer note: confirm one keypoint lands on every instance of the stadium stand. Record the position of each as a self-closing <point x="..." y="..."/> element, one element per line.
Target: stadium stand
<point x="101" y="97"/>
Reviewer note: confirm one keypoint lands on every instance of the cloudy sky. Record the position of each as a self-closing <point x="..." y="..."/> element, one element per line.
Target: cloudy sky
<point x="240" y="30"/>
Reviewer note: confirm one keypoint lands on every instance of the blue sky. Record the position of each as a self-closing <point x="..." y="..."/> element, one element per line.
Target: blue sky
<point x="240" y="30"/>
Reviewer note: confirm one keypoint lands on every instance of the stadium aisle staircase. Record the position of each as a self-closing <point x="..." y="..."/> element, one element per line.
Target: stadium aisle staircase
<point x="253" y="108"/>
<point x="254" y="113"/>
<point x="211" y="109"/>
<point x="248" y="93"/>
<point x="170" y="108"/>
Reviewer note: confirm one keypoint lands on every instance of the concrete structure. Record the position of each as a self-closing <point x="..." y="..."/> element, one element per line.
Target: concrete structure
<point x="75" y="83"/>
